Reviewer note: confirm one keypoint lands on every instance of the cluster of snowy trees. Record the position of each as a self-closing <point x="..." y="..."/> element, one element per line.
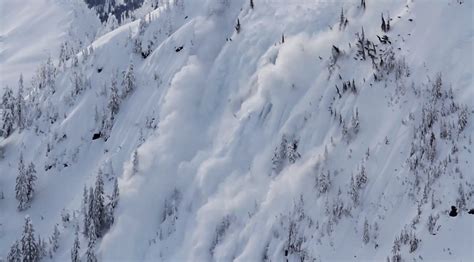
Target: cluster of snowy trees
<point x="285" y="153"/>
<point x="31" y="248"/>
<point x="98" y="216"/>
<point x="406" y="238"/>
<point x="27" y="249"/>
<point x="66" y="52"/>
<point x="121" y="10"/>
<point x="358" y="182"/>
<point x="13" y="110"/>
<point x="20" y="110"/>
<point x="114" y="100"/>
<point x="441" y="119"/>
<point x="140" y="46"/>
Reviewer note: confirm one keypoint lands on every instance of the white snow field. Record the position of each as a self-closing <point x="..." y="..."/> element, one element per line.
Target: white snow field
<point x="32" y="30"/>
<point x="290" y="138"/>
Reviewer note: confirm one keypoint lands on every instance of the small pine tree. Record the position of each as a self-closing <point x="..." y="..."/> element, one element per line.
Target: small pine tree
<point x="85" y="213"/>
<point x="8" y="110"/>
<point x="461" y="200"/>
<point x="31" y="178"/>
<point x="20" y="105"/>
<point x="135" y="162"/>
<point x="384" y="25"/>
<point x="113" y="105"/>
<point x="41" y="248"/>
<point x="361" y="178"/>
<point x="115" y="194"/>
<point x="76" y="246"/>
<point x="90" y="255"/>
<point x="463" y="117"/>
<point x="366" y="235"/>
<point x="292" y="150"/>
<point x="99" y="206"/>
<point x="128" y="81"/>
<point x="114" y="100"/>
<point x="14" y="255"/>
<point x="388" y="23"/>
<point x="29" y="246"/>
<point x="354" y="191"/>
<point x="361" y="44"/>
<point x="342" y="20"/>
<point x="55" y="239"/>
<point x="90" y="215"/>
<point x="21" y="187"/>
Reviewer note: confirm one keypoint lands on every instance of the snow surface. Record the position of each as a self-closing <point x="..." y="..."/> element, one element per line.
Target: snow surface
<point x="30" y="31"/>
<point x="221" y="107"/>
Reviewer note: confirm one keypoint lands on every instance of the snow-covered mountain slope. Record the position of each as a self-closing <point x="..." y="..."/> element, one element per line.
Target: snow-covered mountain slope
<point x="282" y="132"/>
<point x="33" y="30"/>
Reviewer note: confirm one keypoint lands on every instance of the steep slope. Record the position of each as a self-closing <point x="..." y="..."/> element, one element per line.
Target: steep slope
<point x="293" y="137"/>
<point x="30" y="32"/>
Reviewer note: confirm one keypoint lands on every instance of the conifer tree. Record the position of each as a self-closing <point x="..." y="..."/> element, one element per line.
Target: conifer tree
<point x="14" y="255"/>
<point x="20" y="105"/>
<point x="21" y="187"/>
<point x="128" y="82"/>
<point x="76" y="246"/>
<point x="90" y="215"/>
<point x="342" y="19"/>
<point x="99" y="206"/>
<point x="31" y="178"/>
<point x="41" y="248"/>
<point x="8" y="110"/>
<point x="115" y="194"/>
<point x="55" y="239"/>
<point x="85" y="211"/>
<point x="29" y="246"/>
<point x="114" y="100"/>
<point x="90" y="255"/>
<point x="366" y="235"/>
<point x="384" y="25"/>
<point x="292" y="150"/>
<point x="135" y="162"/>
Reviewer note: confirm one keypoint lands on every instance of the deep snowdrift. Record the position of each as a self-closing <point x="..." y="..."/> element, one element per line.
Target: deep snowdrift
<point x="276" y="142"/>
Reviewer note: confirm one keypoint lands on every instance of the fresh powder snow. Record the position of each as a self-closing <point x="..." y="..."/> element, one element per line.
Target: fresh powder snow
<point x="236" y="130"/>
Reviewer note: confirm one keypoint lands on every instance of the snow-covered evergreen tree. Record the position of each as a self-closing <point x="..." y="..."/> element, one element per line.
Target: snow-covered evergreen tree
<point x="98" y="215"/>
<point x="128" y="81"/>
<point x="54" y="240"/>
<point x="31" y="178"/>
<point x="90" y="254"/>
<point x="7" y="113"/>
<point x="29" y="248"/>
<point x="20" y="107"/>
<point x="42" y="247"/>
<point x="135" y="162"/>
<point x="76" y="246"/>
<point x="89" y="216"/>
<point x="115" y="194"/>
<point x="22" y="187"/>
<point x="114" y="99"/>
<point x="14" y="255"/>
<point x="366" y="234"/>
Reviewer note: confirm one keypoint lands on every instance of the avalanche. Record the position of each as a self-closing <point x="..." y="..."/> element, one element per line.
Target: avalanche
<point x="242" y="130"/>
